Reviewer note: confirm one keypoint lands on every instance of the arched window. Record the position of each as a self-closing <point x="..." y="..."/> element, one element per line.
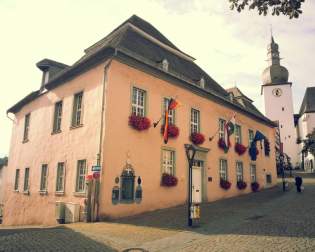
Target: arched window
<point x="127" y="183"/>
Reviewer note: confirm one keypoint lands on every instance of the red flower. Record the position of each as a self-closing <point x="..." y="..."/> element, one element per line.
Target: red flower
<point x="197" y="138"/>
<point x="172" y="131"/>
<point x="240" y="149"/>
<point x="89" y="177"/>
<point x="255" y="186"/>
<point x="225" y="184"/>
<point x="241" y="185"/>
<point x="168" y="180"/>
<point x="139" y="122"/>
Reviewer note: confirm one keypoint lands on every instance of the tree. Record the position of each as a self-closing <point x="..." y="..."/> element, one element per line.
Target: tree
<point x="291" y="8"/>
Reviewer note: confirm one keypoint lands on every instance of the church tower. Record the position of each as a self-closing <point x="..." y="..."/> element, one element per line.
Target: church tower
<point x="277" y="92"/>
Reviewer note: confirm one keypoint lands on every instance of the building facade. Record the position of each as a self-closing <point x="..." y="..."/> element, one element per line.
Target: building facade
<point x="80" y="118"/>
<point x="305" y="126"/>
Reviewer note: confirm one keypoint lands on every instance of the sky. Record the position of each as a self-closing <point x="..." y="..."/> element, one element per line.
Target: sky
<point x="230" y="46"/>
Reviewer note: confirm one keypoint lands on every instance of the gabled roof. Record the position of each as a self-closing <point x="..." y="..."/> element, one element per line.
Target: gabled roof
<point x="138" y="40"/>
<point x="308" y="103"/>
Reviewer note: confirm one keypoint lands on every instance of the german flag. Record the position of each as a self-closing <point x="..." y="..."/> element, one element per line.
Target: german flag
<point x="172" y="105"/>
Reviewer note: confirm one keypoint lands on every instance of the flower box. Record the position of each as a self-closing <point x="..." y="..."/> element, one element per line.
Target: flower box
<point x="172" y="131"/>
<point x="225" y="184"/>
<point x="139" y="122"/>
<point x="197" y="138"/>
<point x="255" y="186"/>
<point x="222" y="145"/>
<point x="240" y="149"/>
<point x="241" y="185"/>
<point x="168" y="180"/>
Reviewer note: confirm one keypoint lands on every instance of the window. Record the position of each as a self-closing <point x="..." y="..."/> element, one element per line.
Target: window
<point x="238" y="134"/>
<point x="195" y="121"/>
<point x="77" y="110"/>
<point x="60" y="180"/>
<point x="43" y="178"/>
<point x="57" y="117"/>
<point x="165" y="65"/>
<point x="268" y="178"/>
<point x="202" y="82"/>
<point x="138" y="101"/>
<point x="223" y="169"/>
<point x="127" y="183"/>
<point x="171" y="113"/>
<point x="17" y="179"/>
<point x="239" y="171"/>
<point x="252" y="173"/>
<point x="250" y="136"/>
<point x="221" y="128"/>
<point x="26" y="127"/>
<point x="81" y="171"/>
<point x="168" y="162"/>
<point x="26" y="180"/>
<point x="282" y="108"/>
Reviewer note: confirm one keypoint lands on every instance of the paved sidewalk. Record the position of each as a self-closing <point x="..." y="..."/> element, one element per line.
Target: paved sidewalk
<point x="266" y="221"/>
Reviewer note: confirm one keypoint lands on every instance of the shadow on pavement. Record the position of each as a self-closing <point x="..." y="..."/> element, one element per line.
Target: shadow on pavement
<point x="270" y="212"/>
<point x="47" y="239"/>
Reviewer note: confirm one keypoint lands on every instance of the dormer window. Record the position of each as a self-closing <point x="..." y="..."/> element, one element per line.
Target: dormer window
<point x="45" y="77"/>
<point x="165" y="65"/>
<point x="202" y="82"/>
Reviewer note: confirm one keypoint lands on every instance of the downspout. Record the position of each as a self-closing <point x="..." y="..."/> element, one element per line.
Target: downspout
<point x="100" y="147"/>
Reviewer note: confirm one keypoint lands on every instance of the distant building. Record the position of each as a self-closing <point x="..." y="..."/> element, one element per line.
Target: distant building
<point x="3" y="166"/>
<point x="92" y="114"/>
<point x="306" y="124"/>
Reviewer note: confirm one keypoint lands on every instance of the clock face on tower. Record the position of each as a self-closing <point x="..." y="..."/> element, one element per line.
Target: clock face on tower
<point x="277" y="92"/>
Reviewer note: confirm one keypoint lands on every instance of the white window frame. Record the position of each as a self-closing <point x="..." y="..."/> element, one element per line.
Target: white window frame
<point x="194" y="121"/>
<point x="60" y="178"/>
<point x="43" y="178"/>
<point x="250" y="136"/>
<point x="253" y="173"/>
<point x="239" y="171"/>
<point x="26" y="127"/>
<point x="80" y="178"/>
<point x="171" y="113"/>
<point x="221" y="128"/>
<point x="168" y="161"/>
<point x="57" y="117"/>
<point x="223" y="169"/>
<point x="238" y="134"/>
<point x="138" y="102"/>
<point x="26" y="185"/>
<point x="77" y="110"/>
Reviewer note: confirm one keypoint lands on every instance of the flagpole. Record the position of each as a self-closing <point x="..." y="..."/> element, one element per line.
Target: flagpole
<point x="211" y="138"/>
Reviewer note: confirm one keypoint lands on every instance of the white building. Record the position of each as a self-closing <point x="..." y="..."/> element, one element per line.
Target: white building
<point x="306" y="124"/>
<point x="277" y="92"/>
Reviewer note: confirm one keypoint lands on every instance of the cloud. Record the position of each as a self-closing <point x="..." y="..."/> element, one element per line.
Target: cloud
<point x="229" y="46"/>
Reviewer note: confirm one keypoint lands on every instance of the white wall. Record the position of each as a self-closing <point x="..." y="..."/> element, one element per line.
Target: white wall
<point x="281" y="109"/>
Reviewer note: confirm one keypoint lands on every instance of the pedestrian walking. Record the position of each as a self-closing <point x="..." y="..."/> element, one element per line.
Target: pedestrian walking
<point x="298" y="183"/>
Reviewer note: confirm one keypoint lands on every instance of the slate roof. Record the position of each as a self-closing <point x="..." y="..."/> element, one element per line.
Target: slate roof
<point x="129" y="41"/>
<point x="308" y="103"/>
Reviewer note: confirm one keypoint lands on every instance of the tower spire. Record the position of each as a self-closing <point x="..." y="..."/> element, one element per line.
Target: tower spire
<point x="273" y="52"/>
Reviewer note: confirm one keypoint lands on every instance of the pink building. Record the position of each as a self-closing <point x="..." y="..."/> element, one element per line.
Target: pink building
<point x="79" y="118"/>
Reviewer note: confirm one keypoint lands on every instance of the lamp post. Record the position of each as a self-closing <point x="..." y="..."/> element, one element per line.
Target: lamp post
<point x="190" y="154"/>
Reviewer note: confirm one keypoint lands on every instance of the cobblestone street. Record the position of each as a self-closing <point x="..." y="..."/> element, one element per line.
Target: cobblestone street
<point x="266" y="221"/>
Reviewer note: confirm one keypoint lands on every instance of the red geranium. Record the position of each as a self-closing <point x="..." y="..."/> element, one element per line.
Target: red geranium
<point x="240" y="149"/>
<point x="255" y="186"/>
<point x="197" y="138"/>
<point x="168" y="180"/>
<point x="225" y="184"/>
<point x="139" y="122"/>
<point x="241" y="185"/>
<point x="172" y="131"/>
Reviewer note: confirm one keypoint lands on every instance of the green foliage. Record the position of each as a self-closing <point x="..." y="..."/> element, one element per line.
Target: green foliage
<point x="309" y="144"/>
<point x="290" y="8"/>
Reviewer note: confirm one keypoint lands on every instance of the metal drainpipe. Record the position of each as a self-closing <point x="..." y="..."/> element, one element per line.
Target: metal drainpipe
<point x="99" y="156"/>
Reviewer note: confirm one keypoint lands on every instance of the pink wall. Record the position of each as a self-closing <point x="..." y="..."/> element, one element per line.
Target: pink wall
<point x="145" y="147"/>
<point x="44" y="148"/>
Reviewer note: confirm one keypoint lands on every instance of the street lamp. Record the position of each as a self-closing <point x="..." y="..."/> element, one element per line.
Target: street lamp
<point x="190" y="154"/>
